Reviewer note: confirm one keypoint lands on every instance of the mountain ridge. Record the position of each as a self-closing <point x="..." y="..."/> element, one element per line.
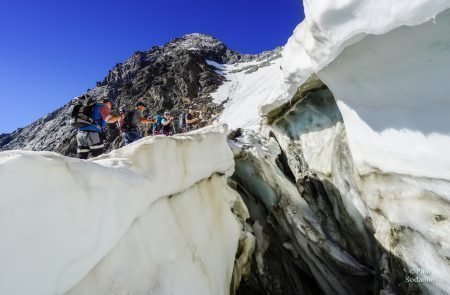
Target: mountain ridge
<point x="164" y="77"/>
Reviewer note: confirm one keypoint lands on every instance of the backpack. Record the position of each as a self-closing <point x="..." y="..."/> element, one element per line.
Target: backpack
<point x="80" y="111"/>
<point x="182" y="121"/>
<point x="158" y="124"/>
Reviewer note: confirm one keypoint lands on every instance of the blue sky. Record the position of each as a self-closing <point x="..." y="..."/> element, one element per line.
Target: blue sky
<point x="52" y="51"/>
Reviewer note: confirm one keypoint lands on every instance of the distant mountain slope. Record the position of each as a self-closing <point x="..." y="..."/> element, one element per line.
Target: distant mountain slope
<point x="165" y="77"/>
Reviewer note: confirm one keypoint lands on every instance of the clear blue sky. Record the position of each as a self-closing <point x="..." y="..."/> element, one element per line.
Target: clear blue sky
<point x="51" y="51"/>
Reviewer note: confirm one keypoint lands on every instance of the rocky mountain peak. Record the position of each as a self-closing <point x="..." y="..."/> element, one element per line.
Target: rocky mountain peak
<point x="207" y="46"/>
<point x="164" y="77"/>
<point x="197" y="41"/>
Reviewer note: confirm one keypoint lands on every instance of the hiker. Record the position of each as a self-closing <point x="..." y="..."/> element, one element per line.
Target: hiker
<point x="130" y="132"/>
<point x="90" y="138"/>
<point x="166" y="124"/>
<point x="191" y="119"/>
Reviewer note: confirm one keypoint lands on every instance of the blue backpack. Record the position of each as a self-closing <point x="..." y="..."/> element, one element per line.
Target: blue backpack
<point x="158" y="124"/>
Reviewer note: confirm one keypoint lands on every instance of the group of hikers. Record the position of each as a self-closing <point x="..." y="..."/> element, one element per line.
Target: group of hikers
<point x="91" y="118"/>
<point x="160" y="124"/>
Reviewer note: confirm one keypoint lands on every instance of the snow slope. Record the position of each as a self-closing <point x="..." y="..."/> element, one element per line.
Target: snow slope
<point x="77" y="213"/>
<point x="246" y="85"/>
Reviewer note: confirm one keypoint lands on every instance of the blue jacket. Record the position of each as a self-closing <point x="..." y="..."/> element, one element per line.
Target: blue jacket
<point x="100" y="124"/>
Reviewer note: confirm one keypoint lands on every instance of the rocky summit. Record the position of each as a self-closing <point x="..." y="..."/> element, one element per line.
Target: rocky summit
<point x="165" y="77"/>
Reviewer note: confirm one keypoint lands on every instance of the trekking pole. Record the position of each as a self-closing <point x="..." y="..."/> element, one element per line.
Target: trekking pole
<point x="119" y="127"/>
<point x="173" y="127"/>
<point x="146" y="130"/>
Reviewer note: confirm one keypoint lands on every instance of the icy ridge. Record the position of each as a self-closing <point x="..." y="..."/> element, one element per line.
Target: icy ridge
<point x="73" y="212"/>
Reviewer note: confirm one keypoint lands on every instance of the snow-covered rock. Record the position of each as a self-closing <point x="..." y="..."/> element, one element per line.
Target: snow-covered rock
<point x="108" y="226"/>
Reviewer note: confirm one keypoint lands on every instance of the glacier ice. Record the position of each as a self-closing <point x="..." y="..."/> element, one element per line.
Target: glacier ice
<point x="347" y="180"/>
<point x="76" y="225"/>
<point x="394" y="102"/>
<point x="381" y="158"/>
<point x="184" y="244"/>
<point x="330" y="26"/>
<point x="386" y="65"/>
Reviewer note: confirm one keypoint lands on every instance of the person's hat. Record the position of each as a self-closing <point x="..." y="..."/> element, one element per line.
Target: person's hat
<point x="166" y="113"/>
<point x="140" y="103"/>
<point x="105" y="99"/>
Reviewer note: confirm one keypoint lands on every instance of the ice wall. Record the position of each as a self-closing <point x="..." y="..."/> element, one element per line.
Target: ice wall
<point x="330" y="26"/>
<point x="386" y="65"/>
<point x="393" y="93"/>
<point x="62" y="218"/>
<point x="184" y="244"/>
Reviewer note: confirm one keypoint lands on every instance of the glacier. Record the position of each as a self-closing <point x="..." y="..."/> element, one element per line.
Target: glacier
<point x="334" y="177"/>
<point x="361" y="122"/>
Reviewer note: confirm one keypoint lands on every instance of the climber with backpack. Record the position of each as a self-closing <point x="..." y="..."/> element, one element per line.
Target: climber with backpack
<point x="90" y="117"/>
<point x="167" y="124"/>
<point x="132" y="119"/>
<point x="189" y="120"/>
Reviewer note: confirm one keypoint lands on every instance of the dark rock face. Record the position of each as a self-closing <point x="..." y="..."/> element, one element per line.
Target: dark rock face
<point x="165" y="78"/>
<point x="5" y="139"/>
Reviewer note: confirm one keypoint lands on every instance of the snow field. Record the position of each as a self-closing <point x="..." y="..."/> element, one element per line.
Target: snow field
<point x="243" y="92"/>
